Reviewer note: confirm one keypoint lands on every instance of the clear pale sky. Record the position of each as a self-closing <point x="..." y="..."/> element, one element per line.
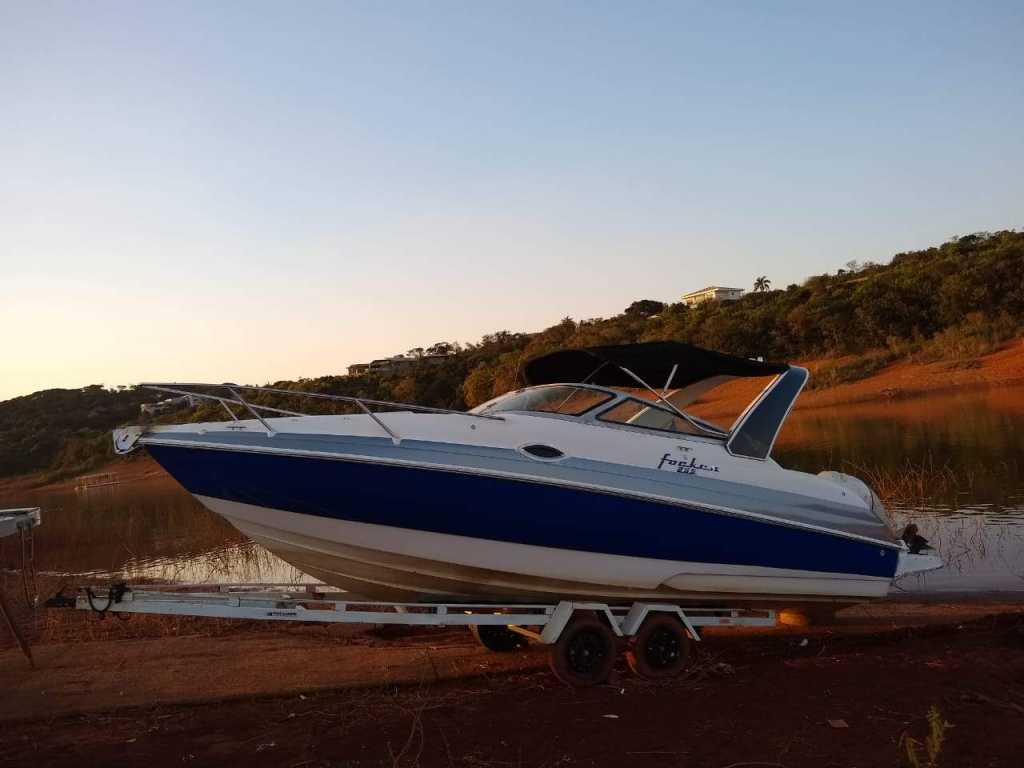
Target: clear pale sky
<point x="246" y="192"/>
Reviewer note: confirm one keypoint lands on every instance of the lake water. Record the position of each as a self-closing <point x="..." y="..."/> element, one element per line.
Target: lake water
<point x="952" y="463"/>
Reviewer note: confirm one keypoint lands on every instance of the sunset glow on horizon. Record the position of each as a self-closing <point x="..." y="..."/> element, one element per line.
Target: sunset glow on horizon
<point x="254" y="193"/>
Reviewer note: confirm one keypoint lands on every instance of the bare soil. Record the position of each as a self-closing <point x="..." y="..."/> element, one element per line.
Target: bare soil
<point x="125" y="469"/>
<point x="902" y="379"/>
<point x="840" y="695"/>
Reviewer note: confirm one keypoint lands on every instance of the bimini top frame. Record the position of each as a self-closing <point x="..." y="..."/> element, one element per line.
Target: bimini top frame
<point x="678" y="365"/>
<point x="683" y="368"/>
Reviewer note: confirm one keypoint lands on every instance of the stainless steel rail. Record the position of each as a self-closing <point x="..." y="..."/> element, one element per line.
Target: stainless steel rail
<point x="234" y="396"/>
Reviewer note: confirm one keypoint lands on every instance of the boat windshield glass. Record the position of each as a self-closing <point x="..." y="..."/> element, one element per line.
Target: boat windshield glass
<point x="640" y="413"/>
<point x="564" y="399"/>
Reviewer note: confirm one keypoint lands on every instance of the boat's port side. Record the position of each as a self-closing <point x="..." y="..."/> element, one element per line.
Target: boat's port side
<point x="584" y="638"/>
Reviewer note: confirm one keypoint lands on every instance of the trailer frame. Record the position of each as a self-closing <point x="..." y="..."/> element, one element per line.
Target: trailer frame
<point x="542" y="622"/>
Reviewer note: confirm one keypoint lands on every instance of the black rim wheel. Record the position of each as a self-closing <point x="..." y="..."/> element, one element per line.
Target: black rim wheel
<point x="498" y="639"/>
<point x="585" y="652"/>
<point x="661" y="648"/>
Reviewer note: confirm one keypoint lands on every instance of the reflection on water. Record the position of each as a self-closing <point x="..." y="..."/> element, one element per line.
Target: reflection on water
<point x="951" y="463"/>
<point x="150" y="529"/>
<point x="975" y="440"/>
<point x="983" y="552"/>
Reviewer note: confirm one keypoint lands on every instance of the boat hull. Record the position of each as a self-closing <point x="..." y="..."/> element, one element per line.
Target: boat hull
<point x="410" y="533"/>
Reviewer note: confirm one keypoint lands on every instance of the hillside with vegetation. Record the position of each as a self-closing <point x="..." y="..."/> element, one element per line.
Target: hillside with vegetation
<point x="62" y="428"/>
<point x="953" y="302"/>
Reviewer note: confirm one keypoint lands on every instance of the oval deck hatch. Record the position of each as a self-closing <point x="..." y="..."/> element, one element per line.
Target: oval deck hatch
<point x="540" y="451"/>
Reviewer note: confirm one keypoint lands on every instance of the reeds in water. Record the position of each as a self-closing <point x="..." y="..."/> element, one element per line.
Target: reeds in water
<point x="913" y="483"/>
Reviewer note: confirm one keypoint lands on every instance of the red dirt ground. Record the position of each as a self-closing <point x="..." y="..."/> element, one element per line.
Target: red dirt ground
<point x="747" y="701"/>
<point x="902" y="379"/>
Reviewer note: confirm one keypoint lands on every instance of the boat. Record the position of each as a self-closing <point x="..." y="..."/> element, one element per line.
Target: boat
<point x="594" y="481"/>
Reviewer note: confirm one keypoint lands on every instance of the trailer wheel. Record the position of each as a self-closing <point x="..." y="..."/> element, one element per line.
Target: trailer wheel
<point x="660" y="649"/>
<point x="498" y="639"/>
<point x="585" y="652"/>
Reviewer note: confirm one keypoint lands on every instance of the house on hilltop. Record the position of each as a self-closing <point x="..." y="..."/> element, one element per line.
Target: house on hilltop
<point x="396" y="363"/>
<point x="712" y="293"/>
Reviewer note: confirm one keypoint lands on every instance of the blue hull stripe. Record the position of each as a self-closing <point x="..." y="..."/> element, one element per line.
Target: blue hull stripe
<point x="522" y="512"/>
<point x="700" y="490"/>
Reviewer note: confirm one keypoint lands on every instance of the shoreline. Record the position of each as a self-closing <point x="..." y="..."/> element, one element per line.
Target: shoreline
<point x="133" y="469"/>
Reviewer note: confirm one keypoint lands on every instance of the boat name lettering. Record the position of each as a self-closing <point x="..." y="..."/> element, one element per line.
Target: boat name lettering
<point x="684" y="467"/>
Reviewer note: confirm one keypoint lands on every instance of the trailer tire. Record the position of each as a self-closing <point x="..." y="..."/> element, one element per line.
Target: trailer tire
<point x="498" y="639"/>
<point x="585" y="652"/>
<point x="661" y="648"/>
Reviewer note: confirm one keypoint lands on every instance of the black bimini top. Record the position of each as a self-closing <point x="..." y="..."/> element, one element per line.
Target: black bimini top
<point x="652" y="361"/>
<point x="672" y="365"/>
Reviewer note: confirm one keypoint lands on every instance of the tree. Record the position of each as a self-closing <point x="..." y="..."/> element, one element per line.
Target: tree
<point x="441" y="348"/>
<point x="762" y="284"/>
<point x="479" y="385"/>
<point x="645" y="308"/>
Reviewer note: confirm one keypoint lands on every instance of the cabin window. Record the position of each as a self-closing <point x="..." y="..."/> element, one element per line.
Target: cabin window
<point x="567" y="400"/>
<point x="757" y="430"/>
<point x="637" y="413"/>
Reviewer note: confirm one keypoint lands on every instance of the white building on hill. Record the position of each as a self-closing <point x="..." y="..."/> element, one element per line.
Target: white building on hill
<point x="711" y="293"/>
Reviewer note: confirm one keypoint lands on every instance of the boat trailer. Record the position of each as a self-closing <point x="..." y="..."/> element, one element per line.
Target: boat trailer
<point x="584" y="637"/>
<point x="21" y="521"/>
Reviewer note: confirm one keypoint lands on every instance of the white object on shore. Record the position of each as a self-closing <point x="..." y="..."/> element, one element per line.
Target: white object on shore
<point x="22" y="518"/>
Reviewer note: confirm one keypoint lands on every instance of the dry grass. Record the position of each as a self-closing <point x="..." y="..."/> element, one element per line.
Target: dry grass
<point x="912" y="483"/>
<point x="833" y="373"/>
<point x="933" y="742"/>
<point x="960" y="345"/>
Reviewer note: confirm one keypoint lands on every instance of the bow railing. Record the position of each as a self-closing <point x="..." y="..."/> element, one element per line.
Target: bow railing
<point x="230" y="394"/>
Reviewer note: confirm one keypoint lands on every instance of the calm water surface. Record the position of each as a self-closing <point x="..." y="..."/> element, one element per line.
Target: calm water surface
<point x="951" y="463"/>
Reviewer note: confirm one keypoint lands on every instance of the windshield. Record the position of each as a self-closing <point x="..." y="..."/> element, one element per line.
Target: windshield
<point x="635" y="412"/>
<point x="564" y="399"/>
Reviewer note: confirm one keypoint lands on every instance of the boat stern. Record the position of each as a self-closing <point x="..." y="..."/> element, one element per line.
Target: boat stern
<point x="909" y="563"/>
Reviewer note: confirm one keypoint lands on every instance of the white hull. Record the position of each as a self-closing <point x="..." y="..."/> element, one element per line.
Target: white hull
<point x="387" y="563"/>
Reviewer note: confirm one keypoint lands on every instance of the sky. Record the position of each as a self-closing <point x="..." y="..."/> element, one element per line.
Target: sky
<point x="244" y="191"/>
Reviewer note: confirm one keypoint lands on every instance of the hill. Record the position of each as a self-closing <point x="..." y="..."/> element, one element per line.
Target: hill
<point x="953" y="302"/>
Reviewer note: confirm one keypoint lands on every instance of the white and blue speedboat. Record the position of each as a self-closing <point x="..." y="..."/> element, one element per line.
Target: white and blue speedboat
<point x="592" y="482"/>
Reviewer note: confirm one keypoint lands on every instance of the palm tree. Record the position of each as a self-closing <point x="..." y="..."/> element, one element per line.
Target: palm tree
<point x="762" y="284"/>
